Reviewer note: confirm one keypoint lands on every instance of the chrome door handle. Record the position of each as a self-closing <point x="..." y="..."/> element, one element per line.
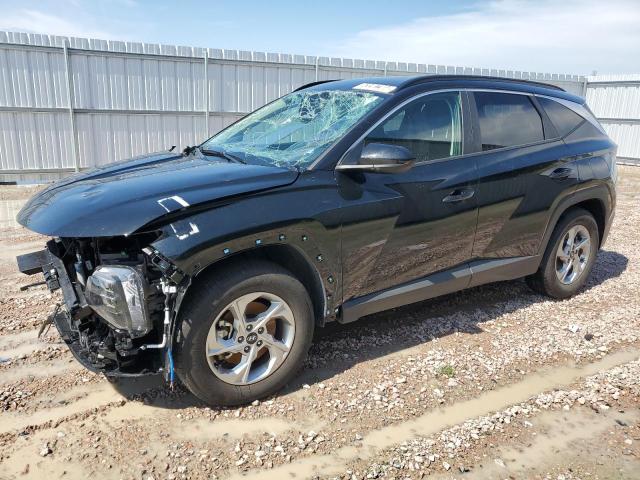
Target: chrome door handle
<point x="458" y="195"/>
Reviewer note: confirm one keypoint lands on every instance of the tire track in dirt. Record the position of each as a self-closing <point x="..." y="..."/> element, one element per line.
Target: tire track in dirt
<point x="52" y="368"/>
<point x="15" y="345"/>
<point x="434" y="421"/>
<point x="559" y="436"/>
<point x="73" y="403"/>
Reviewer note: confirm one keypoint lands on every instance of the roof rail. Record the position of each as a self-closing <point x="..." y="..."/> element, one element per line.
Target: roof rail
<point x="427" y="78"/>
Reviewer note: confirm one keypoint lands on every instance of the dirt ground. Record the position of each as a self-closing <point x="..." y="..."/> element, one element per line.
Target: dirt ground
<point x="493" y="382"/>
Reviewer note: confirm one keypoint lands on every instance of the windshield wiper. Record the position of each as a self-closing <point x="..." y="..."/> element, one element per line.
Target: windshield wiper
<point x="221" y="154"/>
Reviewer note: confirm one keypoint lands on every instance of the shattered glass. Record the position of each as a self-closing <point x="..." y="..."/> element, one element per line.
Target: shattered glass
<point x="294" y="130"/>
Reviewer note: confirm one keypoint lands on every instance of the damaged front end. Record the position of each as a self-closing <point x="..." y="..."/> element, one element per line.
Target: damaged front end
<point x="121" y="296"/>
<point x="120" y="299"/>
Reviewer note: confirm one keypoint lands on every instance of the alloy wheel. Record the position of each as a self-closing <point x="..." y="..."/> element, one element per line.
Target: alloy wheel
<point x="250" y="338"/>
<point x="573" y="254"/>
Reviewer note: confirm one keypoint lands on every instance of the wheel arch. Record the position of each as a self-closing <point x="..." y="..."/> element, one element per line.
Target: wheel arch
<point x="596" y="200"/>
<point x="596" y="208"/>
<point x="287" y="256"/>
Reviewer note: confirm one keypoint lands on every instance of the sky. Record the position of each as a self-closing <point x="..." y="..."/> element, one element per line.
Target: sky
<point x="570" y="36"/>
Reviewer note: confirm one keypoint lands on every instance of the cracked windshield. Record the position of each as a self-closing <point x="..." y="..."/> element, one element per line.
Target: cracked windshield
<point x="294" y="130"/>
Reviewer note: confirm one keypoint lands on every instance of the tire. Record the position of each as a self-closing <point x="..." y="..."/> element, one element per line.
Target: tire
<point x="214" y="379"/>
<point x="547" y="279"/>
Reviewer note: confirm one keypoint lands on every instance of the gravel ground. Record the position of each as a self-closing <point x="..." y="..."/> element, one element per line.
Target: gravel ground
<point x="493" y="382"/>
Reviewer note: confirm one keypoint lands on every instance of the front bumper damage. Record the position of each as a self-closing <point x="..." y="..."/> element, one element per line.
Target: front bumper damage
<point x="98" y="346"/>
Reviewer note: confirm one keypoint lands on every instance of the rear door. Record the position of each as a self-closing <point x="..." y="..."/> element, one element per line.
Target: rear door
<point x="404" y="226"/>
<point x="523" y="168"/>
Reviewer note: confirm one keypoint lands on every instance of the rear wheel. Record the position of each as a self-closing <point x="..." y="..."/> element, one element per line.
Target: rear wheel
<point x="243" y="333"/>
<point x="569" y="257"/>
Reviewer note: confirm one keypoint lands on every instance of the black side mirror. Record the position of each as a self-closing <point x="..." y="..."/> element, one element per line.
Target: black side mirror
<point x="382" y="158"/>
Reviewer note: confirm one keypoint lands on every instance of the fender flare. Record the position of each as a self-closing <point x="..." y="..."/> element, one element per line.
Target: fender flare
<point x="296" y="246"/>
<point x="599" y="192"/>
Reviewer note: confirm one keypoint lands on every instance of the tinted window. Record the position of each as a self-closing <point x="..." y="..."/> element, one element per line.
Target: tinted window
<point x="585" y="131"/>
<point x="564" y="119"/>
<point x="507" y="120"/>
<point x="430" y="126"/>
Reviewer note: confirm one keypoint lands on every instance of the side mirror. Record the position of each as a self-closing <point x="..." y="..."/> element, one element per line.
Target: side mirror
<point x="382" y="158"/>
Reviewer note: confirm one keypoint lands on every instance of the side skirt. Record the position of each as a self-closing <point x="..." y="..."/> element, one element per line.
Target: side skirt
<point x="477" y="272"/>
<point x="497" y="269"/>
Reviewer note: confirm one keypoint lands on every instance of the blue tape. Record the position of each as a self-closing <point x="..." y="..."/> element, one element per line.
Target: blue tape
<point x="171" y="374"/>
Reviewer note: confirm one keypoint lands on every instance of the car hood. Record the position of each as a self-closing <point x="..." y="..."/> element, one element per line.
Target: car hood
<point x="122" y="197"/>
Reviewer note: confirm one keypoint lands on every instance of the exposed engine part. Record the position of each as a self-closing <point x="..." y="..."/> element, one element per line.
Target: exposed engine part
<point x="24" y="288"/>
<point x="121" y="298"/>
<point x="44" y="328"/>
<point x="169" y="291"/>
<point x="168" y="269"/>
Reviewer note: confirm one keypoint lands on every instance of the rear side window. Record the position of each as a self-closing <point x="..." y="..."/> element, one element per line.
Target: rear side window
<point x="507" y="120"/>
<point x="563" y="118"/>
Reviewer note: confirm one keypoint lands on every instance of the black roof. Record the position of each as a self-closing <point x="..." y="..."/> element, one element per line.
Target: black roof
<point x="403" y="82"/>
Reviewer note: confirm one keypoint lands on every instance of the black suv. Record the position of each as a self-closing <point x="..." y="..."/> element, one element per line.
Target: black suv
<point x="341" y="199"/>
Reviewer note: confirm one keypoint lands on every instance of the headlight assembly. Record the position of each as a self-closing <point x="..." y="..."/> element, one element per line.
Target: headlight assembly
<point x="117" y="294"/>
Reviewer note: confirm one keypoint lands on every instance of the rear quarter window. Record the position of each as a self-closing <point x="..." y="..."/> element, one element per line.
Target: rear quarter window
<point x="563" y="118"/>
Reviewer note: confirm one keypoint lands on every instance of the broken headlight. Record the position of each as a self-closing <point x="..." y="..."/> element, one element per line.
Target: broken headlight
<point x="117" y="294"/>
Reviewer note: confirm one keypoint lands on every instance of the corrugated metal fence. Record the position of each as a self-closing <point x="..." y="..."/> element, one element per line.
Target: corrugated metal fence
<point x="72" y="103"/>
<point x="615" y="100"/>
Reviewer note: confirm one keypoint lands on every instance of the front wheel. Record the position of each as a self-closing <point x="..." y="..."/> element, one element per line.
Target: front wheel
<point x="569" y="257"/>
<point x="243" y="333"/>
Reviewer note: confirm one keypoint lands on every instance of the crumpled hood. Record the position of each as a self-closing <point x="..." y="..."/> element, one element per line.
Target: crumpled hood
<point x="122" y="197"/>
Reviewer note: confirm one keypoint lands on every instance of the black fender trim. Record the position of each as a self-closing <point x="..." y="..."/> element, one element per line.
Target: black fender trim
<point x="499" y="269"/>
<point x="598" y="192"/>
<point x="425" y="288"/>
<point x="472" y="274"/>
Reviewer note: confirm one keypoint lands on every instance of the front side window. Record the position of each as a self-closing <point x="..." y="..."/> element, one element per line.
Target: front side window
<point x="296" y="129"/>
<point x="429" y="126"/>
<point x="507" y="120"/>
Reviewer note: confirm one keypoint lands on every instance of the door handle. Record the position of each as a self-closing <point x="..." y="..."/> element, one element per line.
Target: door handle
<point x="458" y="195"/>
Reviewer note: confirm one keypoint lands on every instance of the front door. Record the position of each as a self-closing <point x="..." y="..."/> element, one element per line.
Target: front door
<point x="402" y="227"/>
